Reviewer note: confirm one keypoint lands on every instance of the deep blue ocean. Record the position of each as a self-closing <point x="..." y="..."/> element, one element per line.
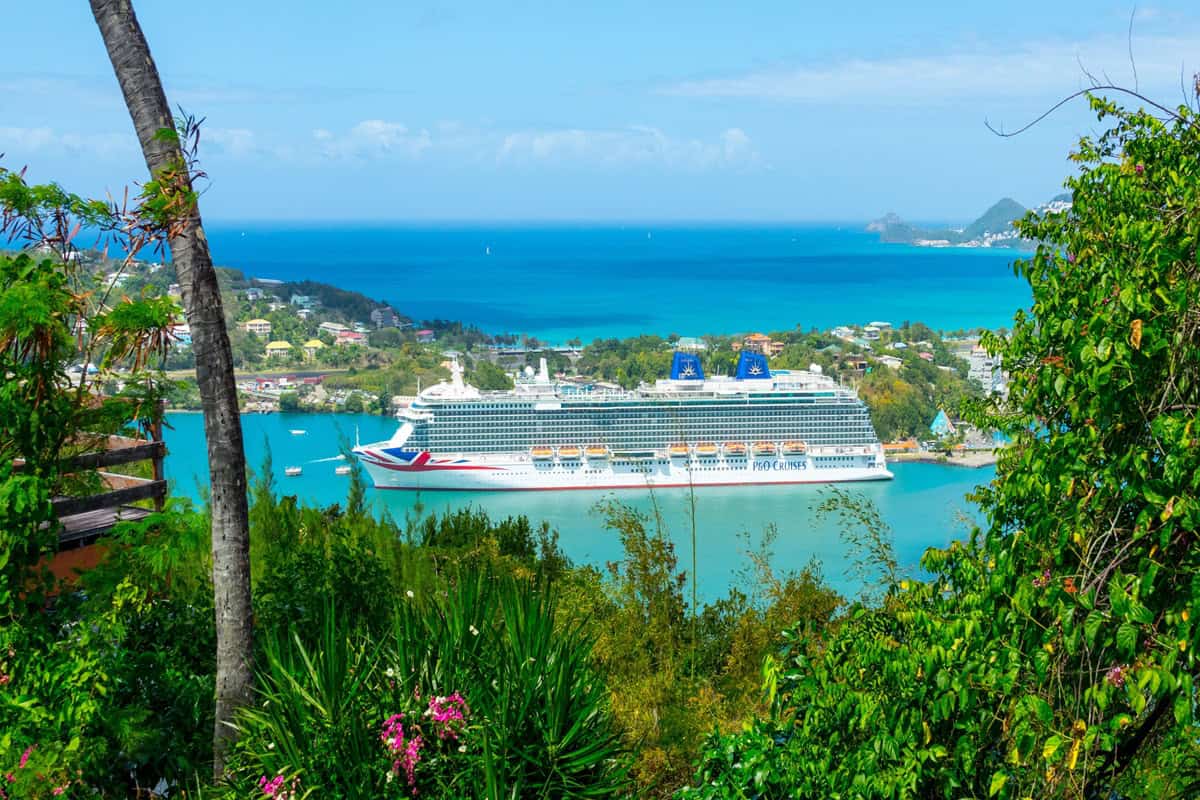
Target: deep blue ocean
<point x="560" y="281"/>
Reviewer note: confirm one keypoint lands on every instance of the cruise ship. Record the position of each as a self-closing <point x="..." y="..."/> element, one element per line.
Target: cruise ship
<point x="756" y="427"/>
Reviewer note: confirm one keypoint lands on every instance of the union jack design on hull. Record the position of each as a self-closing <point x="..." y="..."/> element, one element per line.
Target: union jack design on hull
<point x="755" y="428"/>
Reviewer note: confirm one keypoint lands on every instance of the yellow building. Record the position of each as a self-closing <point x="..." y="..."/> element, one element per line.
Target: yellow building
<point x="311" y="348"/>
<point x="279" y="349"/>
<point x="259" y="327"/>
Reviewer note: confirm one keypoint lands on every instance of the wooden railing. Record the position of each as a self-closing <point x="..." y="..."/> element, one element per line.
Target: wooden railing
<point x="86" y="518"/>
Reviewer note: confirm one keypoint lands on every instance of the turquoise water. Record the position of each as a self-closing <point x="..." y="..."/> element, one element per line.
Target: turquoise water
<point x="558" y="282"/>
<point x="924" y="505"/>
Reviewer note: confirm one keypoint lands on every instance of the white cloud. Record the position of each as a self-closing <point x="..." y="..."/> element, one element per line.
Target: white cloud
<point x="634" y="145"/>
<point x="374" y="138"/>
<point x="25" y="141"/>
<point x="1037" y="69"/>
<point x="233" y="141"/>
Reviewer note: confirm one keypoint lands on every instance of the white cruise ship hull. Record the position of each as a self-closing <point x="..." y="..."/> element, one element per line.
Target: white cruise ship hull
<point x="395" y="468"/>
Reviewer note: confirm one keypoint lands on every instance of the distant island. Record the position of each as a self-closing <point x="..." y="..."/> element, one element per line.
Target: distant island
<point x="993" y="229"/>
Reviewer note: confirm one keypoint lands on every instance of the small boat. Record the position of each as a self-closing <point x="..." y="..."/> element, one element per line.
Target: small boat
<point x="678" y="451"/>
<point x="735" y="449"/>
<point x="342" y="470"/>
<point x="764" y="448"/>
<point x="297" y="431"/>
<point x="794" y="448"/>
<point x="596" y="451"/>
<point x="570" y="451"/>
<point x="706" y="449"/>
<point x="542" y="453"/>
<point x="292" y="472"/>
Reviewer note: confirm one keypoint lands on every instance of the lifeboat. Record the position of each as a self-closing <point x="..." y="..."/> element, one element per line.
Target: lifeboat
<point x="568" y="452"/>
<point x="542" y="453"/>
<point x="735" y="449"/>
<point x="764" y="448"/>
<point x="794" y="448"/>
<point x="596" y="451"/>
<point x="706" y="449"/>
<point x="678" y="450"/>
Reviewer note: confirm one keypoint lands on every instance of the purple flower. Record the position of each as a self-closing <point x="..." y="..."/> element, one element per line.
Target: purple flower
<point x="1043" y="580"/>
<point x="1139" y="169"/>
<point x="25" y="757"/>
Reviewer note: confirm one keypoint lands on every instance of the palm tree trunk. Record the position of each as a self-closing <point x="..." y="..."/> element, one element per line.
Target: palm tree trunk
<point x="147" y="103"/>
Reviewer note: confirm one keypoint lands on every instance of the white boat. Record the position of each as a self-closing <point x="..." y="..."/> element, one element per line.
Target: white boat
<point x="297" y="431"/>
<point x="454" y="436"/>
<point x="342" y="470"/>
<point x="292" y="472"/>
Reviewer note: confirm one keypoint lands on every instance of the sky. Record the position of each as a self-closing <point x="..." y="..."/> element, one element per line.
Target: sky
<point x="621" y="110"/>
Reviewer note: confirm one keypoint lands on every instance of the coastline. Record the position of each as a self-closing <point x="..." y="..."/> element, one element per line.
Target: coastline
<point x="973" y="460"/>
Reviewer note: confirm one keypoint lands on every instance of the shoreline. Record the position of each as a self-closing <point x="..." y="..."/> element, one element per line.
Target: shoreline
<point x="974" y="460"/>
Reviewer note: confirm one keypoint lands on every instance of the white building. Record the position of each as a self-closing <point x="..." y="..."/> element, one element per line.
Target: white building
<point x="985" y="371"/>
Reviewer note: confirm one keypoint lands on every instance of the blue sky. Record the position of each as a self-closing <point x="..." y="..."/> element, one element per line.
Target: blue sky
<point x="619" y="110"/>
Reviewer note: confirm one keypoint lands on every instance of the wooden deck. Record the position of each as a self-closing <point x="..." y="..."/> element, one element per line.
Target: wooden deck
<point x="80" y="530"/>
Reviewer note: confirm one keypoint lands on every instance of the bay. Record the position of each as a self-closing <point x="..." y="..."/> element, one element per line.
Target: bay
<point x="924" y="506"/>
<point x="557" y="282"/>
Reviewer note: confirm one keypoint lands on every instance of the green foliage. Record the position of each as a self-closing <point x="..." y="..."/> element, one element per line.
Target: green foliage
<point x="486" y="376"/>
<point x="1052" y="654"/>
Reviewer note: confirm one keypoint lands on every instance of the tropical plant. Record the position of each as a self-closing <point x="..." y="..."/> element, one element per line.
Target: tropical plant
<point x="1052" y="654"/>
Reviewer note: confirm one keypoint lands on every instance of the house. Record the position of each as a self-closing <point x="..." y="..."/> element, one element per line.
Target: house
<point x="279" y="349"/>
<point x="843" y="332"/>
<point x="941" y="425"/>
<point x="303" y="300"/>
<point x="259" y="327"/>
<point x="332" y="328"/>
<point x="891" y="362"/>
<point x="350" y="338"/>
<point x="304" y="313"/>
<point x="254" y="293"/>
<point x="760" y="343"/>
<point x="385" y="317"/>
<point x="312" y="348"/>
<point x="871" y="333"/>
<point x="691" y="344"/>
<point x="925" y="356"/>
<point x="425" y="336"/>
<point x="182" y="333"/>
<point x="880" y="325"/>
<point x="857" y="364"/>
<point x="985" y="370"/>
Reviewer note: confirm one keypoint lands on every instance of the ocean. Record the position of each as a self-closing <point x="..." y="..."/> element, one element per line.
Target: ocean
<point x="557" y="282"/>
<point x="924" y="506"/>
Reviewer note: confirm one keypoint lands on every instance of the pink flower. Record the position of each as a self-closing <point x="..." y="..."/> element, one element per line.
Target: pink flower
<point x="448" y="714"/>
<point x="270" y="787"/>
<point x="25" y="757"/>
<point x="1043" y="581"/>
<point x="57" y="790"/>
<point x="1116" y="675"/>
<point x="1139" y="169"/>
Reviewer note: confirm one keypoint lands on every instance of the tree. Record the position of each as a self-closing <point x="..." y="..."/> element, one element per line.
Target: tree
<point x="175" y="199"/>
<point x="1053" y="654"/>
